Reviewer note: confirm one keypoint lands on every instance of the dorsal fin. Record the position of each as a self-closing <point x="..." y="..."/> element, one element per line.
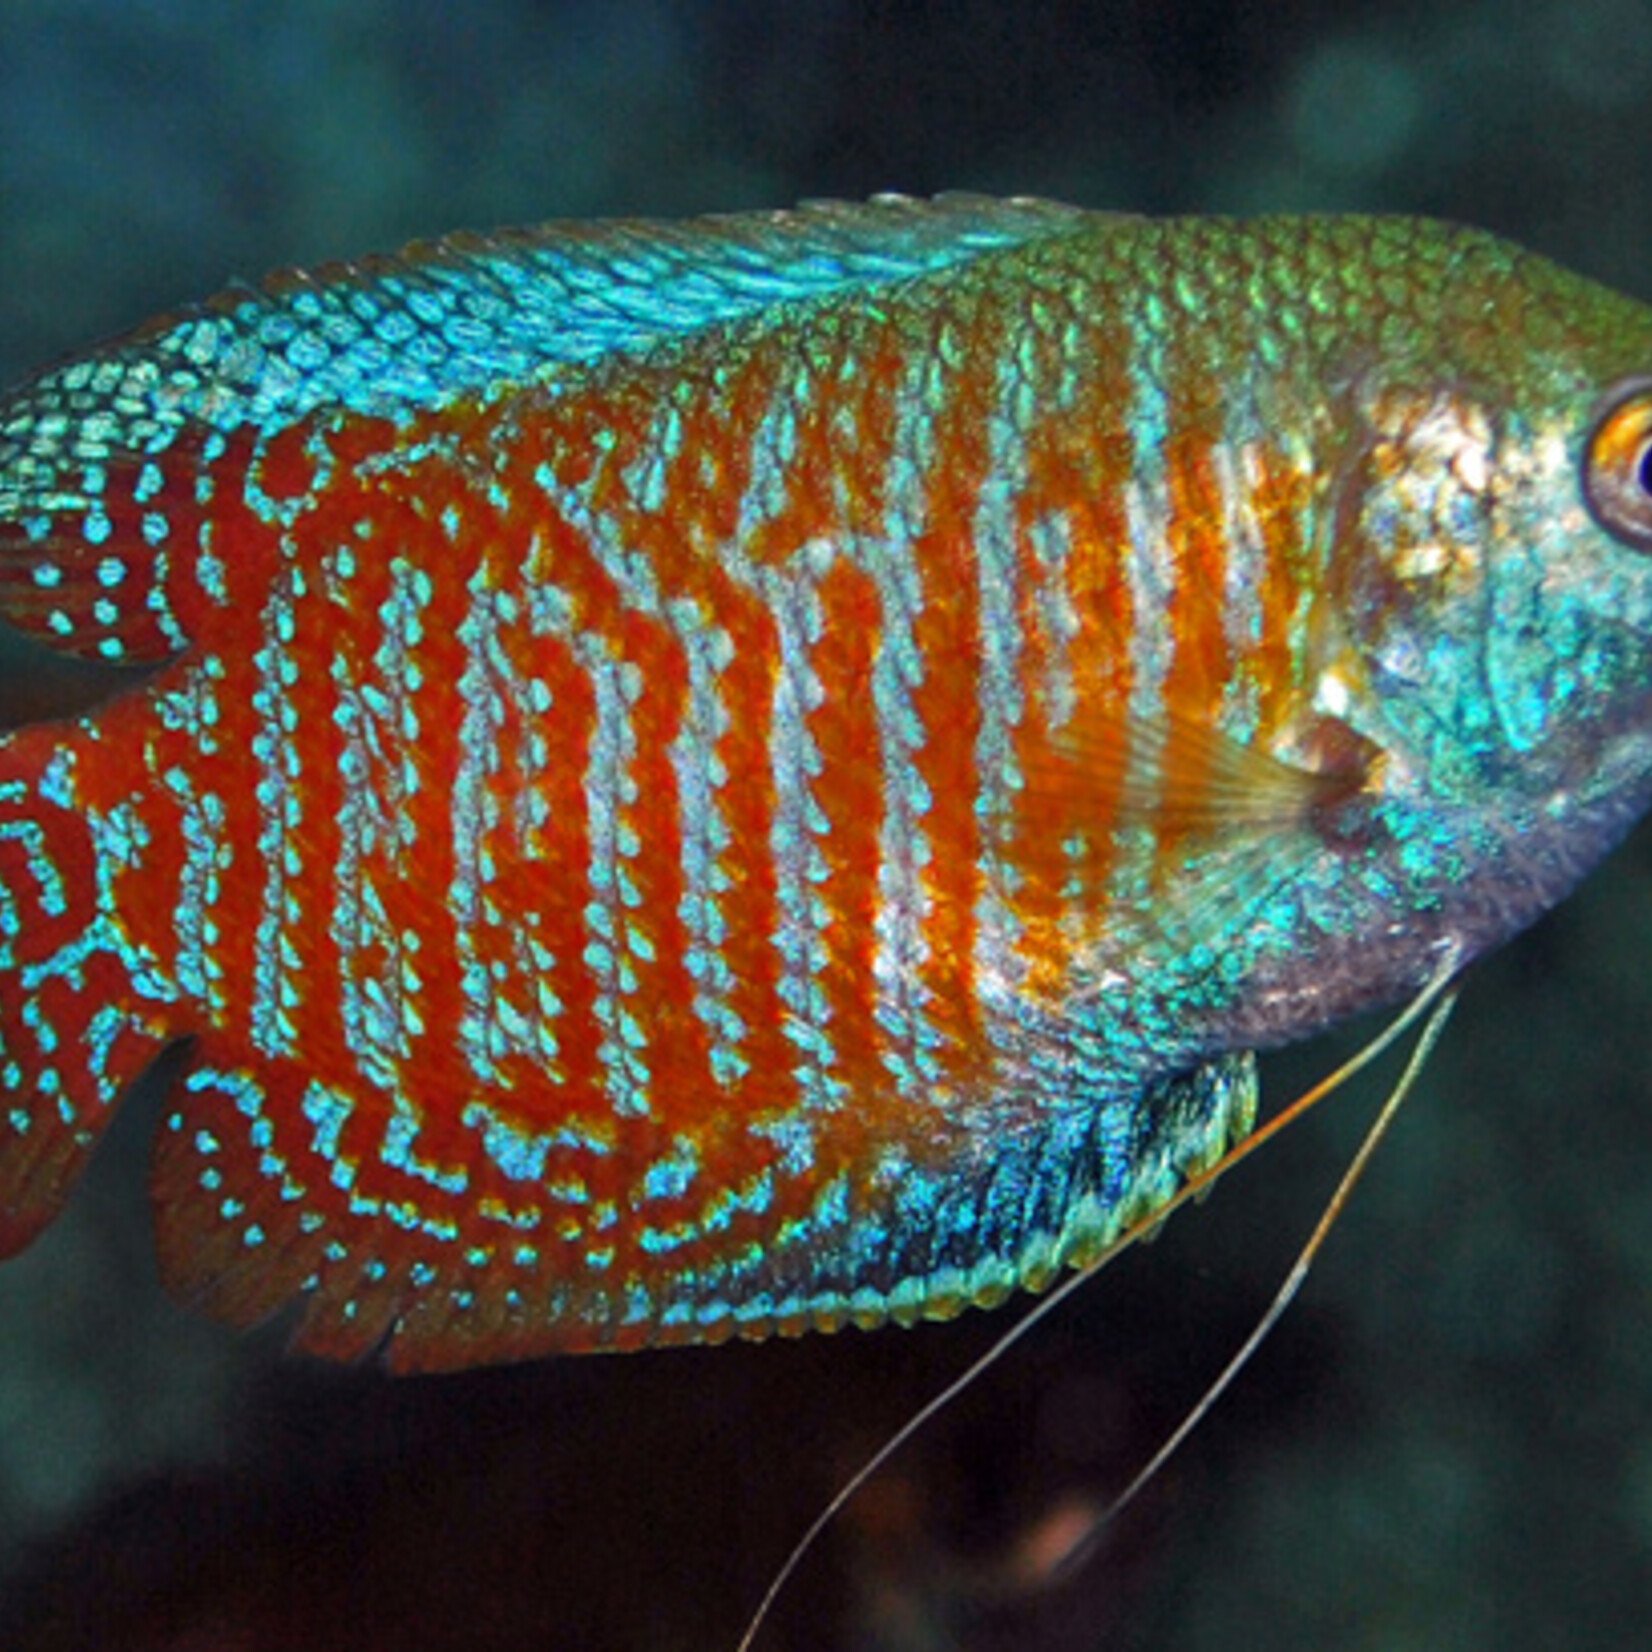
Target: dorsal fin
<point x="393" y="333"/>
<point x="516" y="305"/>
<point x="102" y="458"/>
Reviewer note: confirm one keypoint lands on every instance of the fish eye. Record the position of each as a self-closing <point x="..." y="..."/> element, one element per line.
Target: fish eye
<point x="1617" y="466"/>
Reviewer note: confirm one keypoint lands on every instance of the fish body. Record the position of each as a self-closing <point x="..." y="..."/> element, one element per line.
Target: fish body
<point x="684" y="780"/>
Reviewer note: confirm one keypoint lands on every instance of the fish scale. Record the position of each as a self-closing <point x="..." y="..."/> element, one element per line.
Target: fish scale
<point x="767" y="773"/>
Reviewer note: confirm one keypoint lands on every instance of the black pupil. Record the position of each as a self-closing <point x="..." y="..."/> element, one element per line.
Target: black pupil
<point x="1643" y="470"/>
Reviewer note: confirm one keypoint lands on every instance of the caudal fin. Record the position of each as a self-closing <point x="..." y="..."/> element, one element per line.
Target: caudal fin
<point x="71" y="1036"/>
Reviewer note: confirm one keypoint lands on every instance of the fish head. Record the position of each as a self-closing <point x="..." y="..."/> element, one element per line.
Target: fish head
<point x="1492" y="549"/>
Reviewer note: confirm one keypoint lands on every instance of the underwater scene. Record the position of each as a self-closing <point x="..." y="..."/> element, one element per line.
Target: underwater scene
<point x="1446" y="1440"/>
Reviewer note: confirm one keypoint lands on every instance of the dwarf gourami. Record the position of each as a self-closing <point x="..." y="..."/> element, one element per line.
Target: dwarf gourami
<point x="695" y="779"/>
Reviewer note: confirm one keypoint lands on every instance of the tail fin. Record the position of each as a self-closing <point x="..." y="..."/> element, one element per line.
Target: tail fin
<point x="71" y="1039"/>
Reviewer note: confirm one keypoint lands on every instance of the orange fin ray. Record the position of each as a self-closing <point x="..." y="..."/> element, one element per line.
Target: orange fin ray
<point x="1179" y="774"/>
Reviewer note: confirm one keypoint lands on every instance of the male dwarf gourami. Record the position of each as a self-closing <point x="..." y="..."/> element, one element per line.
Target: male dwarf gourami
<point x="762" y="773"/>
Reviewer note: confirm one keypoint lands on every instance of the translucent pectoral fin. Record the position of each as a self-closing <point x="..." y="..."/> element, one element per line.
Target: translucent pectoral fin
<point x="1175" y="774"/>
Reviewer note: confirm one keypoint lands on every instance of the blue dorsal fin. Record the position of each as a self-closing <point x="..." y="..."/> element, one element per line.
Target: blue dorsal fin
<point x="517" y="304"/>
<point x="394" y="334"/>
<point x="103" y="457"/>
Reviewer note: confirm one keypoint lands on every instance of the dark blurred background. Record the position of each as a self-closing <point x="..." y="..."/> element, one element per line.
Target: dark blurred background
<point x="1449" y="1441"/>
